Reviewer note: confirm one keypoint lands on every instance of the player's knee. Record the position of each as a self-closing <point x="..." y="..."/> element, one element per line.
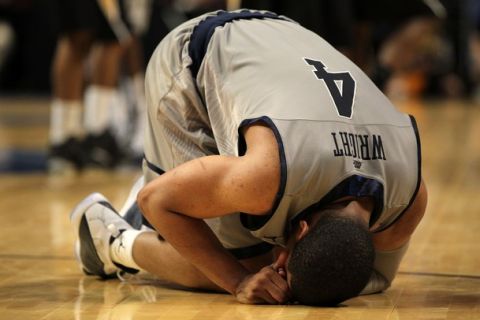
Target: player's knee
<point x="80" y="43"/>
<point x="143" y="200"/>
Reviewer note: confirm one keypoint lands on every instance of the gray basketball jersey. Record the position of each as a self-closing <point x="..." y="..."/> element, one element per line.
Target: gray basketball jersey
<point x="337" y="134"/>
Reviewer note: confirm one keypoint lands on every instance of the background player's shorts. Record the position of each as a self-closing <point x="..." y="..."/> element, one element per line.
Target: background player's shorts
<point x="87" y="15"/>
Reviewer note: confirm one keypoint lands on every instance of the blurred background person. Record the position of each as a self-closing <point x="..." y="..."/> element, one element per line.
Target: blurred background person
<point x="409" y="48"/>
<point x="415" y="47"/>
<point x="83" y="23"/>
<point x="128" y="118"/>
<point x="474" y="43"/>
<point x="19" y="70"/>
<point x="7" y="38"/>
<point x="111" y="135"/>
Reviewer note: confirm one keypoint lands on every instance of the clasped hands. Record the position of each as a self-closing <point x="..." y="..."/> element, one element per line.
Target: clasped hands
<point x="268" y="286"/>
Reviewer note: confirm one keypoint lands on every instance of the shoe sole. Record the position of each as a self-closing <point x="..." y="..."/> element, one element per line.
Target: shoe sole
<point x="77" y="256"/>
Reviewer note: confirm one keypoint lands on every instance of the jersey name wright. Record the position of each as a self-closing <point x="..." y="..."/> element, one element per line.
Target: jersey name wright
<point x="359" y="146"/>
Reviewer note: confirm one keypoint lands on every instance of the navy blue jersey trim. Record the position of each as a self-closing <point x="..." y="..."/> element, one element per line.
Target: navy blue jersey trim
<point x="419" y="175"/>
<point x="355" y="186"/>
<point x="203" y="32"/>
<point x="153" y="167"/>
<point x="135" y="217"/>
<point x="251" y="251"/>
<point x="256" y="222"/>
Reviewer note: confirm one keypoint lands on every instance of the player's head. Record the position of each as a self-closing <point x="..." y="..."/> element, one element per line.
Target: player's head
<point x="332" y="261"/>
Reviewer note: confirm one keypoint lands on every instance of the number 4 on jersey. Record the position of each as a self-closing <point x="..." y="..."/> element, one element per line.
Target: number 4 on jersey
<point x="343" y="99"/>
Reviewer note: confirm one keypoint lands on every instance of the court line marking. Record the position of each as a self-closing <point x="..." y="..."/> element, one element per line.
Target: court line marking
<point x="35" y="257"/>
<point x="444" y="275"/>
<point x="51" y="257"/>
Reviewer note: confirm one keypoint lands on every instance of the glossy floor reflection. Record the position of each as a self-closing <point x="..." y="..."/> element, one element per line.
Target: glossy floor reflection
<point x="40" y="279"/>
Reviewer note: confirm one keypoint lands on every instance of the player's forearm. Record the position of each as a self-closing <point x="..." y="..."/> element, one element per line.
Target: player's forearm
<point x="194" y="240"/>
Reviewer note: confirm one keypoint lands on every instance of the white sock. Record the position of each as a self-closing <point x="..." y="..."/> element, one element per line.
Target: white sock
<point x="134" y="88"/>
<point x="121" y="249"/>
<point x="99" y="102"/>
<point x="65" y="120"/>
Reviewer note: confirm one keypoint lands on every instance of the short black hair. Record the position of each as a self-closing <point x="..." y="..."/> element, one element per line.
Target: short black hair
<point x="332" y="262"/>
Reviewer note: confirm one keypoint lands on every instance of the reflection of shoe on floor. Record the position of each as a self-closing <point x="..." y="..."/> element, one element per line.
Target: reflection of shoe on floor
<point x="97" y="226"/>
<point x="103" y="150"/>
<point x="67" y="155"/>
<point x="115" y="305"/>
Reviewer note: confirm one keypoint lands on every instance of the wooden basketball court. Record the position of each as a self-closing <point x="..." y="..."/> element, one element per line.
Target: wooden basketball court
<point x="39" y="277"/>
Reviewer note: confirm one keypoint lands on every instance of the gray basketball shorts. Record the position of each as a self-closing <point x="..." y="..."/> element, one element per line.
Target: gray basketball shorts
<point x="178" y="128"/>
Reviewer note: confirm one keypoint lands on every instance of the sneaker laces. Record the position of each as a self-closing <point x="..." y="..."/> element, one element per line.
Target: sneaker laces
<point x="114" y="231"/>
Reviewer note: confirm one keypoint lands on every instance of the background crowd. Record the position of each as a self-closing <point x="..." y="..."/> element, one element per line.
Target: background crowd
<point x="410" y="48"/>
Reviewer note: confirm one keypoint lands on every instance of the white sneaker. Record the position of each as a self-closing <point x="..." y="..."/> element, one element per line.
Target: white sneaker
<point x="97" y="224"/>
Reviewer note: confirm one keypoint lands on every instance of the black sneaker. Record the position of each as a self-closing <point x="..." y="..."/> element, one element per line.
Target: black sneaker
<point x="69" y="154"/>
<point x="103" y="150"/>
<point x="97" y="225"/>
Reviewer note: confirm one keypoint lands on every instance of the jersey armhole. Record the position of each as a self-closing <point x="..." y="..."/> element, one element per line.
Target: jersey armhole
<point x="419" y="176"/>
<point x="251" y="222"/>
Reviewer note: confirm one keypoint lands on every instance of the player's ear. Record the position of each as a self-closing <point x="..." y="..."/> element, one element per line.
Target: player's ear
<point x="302" y="230"/>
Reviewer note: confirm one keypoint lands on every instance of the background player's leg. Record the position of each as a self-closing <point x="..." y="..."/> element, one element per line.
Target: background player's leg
<point x="134" y="91"/>
<point x="138" y="14"/>
<point x="107" y="65"/>
<point x="66" y="110"/>
<point x="72" y="51"/>
<point x="101" y="99"/>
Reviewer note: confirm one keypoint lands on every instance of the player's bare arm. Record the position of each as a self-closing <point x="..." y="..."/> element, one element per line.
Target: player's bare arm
<point x="176" y="202"/>
<point x="399" y="233"/>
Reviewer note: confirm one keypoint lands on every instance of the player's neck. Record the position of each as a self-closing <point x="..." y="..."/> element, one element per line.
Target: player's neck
<point x="360" y="208"/>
